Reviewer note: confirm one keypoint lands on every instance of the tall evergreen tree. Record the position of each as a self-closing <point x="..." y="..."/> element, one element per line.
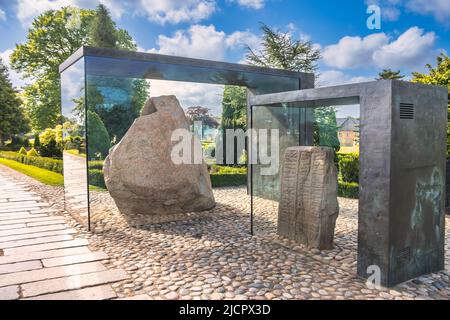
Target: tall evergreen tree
<point x="103" y="31"/>
<point x="280" y="50"/>
<point x="12" y="118"/>
<point x="388" y="74"/>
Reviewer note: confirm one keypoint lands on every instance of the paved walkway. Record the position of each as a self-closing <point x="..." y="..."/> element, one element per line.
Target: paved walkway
<point x="39" y="256"/>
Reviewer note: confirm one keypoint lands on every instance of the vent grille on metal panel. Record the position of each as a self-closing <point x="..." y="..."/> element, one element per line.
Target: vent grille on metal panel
<point x="406" y="111"/>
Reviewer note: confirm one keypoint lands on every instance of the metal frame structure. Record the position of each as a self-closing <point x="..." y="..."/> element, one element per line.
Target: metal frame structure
<point x="402" y="171"/>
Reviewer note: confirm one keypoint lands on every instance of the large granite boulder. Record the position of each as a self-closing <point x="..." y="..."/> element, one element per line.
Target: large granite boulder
<point x="140" y="174"/>
<point x="308" y="206"/>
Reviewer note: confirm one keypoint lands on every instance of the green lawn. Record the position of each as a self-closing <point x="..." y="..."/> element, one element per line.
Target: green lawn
<point x="45" y="176"/>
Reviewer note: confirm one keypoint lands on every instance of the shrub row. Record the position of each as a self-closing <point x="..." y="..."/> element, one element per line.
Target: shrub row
<point x="96" y="178"/>
<point x="349" y="167"/>
<point x="228" y="180"/>
<point x="348" y="189"/>
<point x="50" y="164"/>
<point x="96" y="164"/>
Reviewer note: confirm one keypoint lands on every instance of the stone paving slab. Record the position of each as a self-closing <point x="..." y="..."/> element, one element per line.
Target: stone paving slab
<point x="49" y="273"/>
<point x="39" y="256"/>
<point x="93" y="293"/>
<point x="72" y="282"/>
<point x="31" y="230"/>
<point x="46" y="246"/>
<point x="9" y="293"/>
<point x="45" y="223"/>
<point x="20" y="266"/>
<point x="37" y="235"/>
<point x="7" y="217"/>
<point x="31" y="219"/>
<point x="81" y="258"/>
<point x="13" y="226"/>
<point x="43" y="254"/>
<point x="40" y="240"/>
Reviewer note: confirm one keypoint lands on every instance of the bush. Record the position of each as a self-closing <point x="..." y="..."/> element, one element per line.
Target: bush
<point x="32" y="153"/>
<point x="51" y="149"/>
<point x="348" y="190"/>
<point x="40" y="162"/>
<point x="96" y="164"/>
<point x="23" y="151"/>
<point x="96" y="178"/>
<point x="37" y="141"/>
<point x="99" y="142"/>
<point x="228" y="180"/>
<point x="349" y="167"/>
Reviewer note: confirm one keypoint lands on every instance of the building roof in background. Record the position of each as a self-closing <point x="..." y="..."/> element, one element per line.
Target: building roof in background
<point x="347" y="124"/>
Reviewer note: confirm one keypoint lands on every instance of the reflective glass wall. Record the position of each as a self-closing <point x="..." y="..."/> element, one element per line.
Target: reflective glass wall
<point x="74" y="141"/>
<point x="331" y="126"/>
<point x="111" y="88"/>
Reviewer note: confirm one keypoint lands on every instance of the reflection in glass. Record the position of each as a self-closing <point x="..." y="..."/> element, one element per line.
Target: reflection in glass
<point x="335" y="127"/>
<point x="74" y="141"/>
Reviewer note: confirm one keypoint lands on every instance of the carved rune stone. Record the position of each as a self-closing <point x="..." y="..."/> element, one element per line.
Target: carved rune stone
<point x="308" y="206"/>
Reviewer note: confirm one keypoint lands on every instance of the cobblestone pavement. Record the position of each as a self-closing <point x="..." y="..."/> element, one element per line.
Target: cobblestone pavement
<point x="214" y="257"/>
<point x="41" y="257"/>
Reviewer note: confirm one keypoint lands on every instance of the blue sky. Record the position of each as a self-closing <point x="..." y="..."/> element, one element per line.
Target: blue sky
<point x="412" y="32"/>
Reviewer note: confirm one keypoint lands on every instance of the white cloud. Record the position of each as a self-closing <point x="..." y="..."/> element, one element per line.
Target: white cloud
<point x="440" y="9"/>
<point x="205" y="42"/>
<point x="2" y="15"/>
<point x="411" y="49"/>
<point x="335" y="77"/>
<point x="390" y="9"/>
<point x="353" y="52"/>
<point x="15" y="77"/>
<point x="190" y="94"/>
<point x="252" y="4"/>
<point x="175" y="11"/>
<point x="27" y="10"/>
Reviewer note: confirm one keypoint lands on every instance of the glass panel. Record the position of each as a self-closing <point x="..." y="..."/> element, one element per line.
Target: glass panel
<point x="336" y="127"/>
<point x="115" y="93"/>
<point x="74" y="137"/>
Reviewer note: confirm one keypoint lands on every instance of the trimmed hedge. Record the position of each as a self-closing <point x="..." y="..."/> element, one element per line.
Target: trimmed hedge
<point x="96" y="164"/>
<point x="50" y="164"/>
<point x="228" y="180"/>
<point x="348" y="190"/>
<point x="349" y="167"/>
<point x="96" y="178"/>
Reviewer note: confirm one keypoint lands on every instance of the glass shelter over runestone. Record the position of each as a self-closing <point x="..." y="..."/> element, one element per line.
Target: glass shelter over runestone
<point x="402" y="143"/>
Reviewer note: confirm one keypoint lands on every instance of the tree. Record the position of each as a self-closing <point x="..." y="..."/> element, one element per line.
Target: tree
<point x="99" y="142"/>
<point x="325" y="128"/>
<point x="439" y="76"/>
<point x="12" y="118"/>
<point x="280" y="50"/>
<point x="103" y="30"/>
<point x="37" y="142"/>
<point x="234" y="108"/>
<point x="52" y="38"/>
<point x="387" y="74"/>
<point x="198" y="113"/>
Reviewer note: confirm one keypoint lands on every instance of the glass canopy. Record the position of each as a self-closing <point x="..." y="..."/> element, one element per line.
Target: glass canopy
<point x="103" y="91"/>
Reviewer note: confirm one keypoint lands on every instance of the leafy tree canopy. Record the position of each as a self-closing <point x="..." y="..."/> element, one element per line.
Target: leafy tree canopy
<point x="52" y="38"/>
<point x="234" y="108"/>
<point x="12" y="118"/>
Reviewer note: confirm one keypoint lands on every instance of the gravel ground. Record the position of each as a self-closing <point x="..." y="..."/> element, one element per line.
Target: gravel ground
<point x="212" y="256"/>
